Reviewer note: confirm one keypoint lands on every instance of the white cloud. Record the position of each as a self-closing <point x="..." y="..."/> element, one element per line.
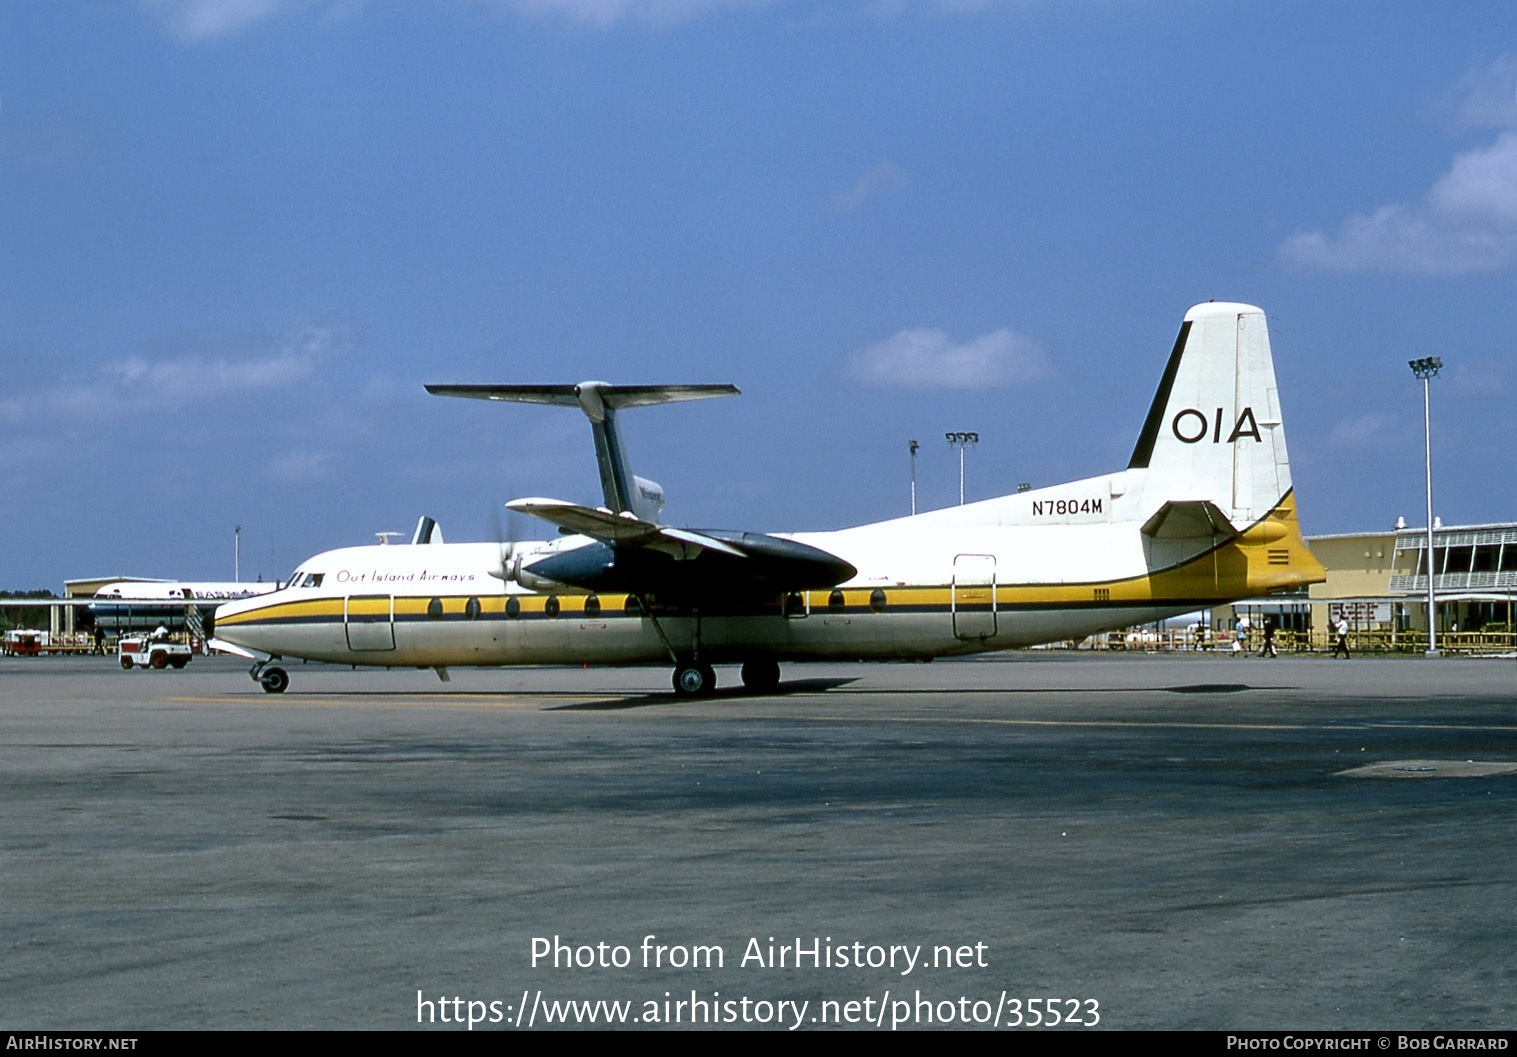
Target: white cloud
<point x="300" y="467"/>
<point x="603" y="13"/>
<point x="1478" y="377"/>
<point x="1485" y="98"/>
<point x="882" y="178"/>
<point x="182" y="385"/>
<point x="194" y="20"/>
<point x="930" y="359"/>
<point x="1369" y="432"/>
<point x="1466" y="222"/>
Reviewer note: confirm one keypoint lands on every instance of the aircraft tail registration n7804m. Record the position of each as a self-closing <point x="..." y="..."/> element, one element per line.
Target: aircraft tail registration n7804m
<point x="1203" y="514"/>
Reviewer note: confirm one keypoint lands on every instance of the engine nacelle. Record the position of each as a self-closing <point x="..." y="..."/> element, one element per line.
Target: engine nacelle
<point x="528" y="579"/>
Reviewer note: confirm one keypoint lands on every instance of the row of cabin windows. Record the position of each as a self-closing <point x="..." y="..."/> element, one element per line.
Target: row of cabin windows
<point x="794" y="604"/>
<point x="551" y="607"/>
<point x="471" y="609"/>
<point x="836" y="603"/>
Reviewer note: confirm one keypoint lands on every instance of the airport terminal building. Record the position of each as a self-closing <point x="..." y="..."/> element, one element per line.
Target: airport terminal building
<point x="1377" y="582"/>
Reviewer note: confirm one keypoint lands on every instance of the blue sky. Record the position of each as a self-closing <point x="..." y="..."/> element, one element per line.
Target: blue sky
<point x="237" y="236"/>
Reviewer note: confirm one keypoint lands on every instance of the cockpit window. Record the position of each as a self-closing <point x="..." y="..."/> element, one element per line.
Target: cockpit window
<point x="314" y="579"/>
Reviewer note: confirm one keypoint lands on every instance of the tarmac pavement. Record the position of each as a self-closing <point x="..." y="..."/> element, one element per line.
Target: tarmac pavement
<point x="1128" y="841"/>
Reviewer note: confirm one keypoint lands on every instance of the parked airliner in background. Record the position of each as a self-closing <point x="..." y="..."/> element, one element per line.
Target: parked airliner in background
<point x="1203" y="514"/>
<point x="141" y="605"/>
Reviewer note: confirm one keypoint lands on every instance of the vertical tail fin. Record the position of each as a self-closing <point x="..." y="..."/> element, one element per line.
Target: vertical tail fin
<point x="1213" y="433"/>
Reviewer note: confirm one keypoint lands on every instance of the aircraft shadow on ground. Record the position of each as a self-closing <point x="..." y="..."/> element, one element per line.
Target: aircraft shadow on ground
<point x="733" y="693"/>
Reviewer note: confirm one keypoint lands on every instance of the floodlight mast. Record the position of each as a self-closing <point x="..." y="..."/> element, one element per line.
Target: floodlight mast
<point x="913" y="446"/>
<point x="962" y="440"/>
<point x="1426" y="368"/>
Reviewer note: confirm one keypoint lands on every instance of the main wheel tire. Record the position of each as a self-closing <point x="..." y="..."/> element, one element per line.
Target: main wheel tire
<point x="159" y="660"/>
<point x="694" y="680"/>
<point x="274" y="680"/>
<point x="761" y="676"/>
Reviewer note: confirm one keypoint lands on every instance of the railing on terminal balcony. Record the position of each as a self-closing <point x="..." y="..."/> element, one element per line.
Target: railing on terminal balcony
<point x="1376" y="640"/>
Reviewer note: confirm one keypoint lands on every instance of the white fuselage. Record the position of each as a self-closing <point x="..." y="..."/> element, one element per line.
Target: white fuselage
<point x="1203" y="514"/>
<point x="1038" y="567"/>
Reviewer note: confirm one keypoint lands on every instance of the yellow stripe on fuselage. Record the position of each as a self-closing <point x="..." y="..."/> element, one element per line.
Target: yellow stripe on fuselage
<point x="1269" y="555"/>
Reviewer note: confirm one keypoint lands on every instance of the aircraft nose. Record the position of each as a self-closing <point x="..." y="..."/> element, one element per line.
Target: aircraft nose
<point x="236" y="622"/>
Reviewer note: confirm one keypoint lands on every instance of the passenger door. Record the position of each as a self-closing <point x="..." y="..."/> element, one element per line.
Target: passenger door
<point x="974" y="596"/>
<point x="370" y="621"/>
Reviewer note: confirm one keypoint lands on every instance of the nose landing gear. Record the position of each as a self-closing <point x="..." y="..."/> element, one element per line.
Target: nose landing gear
<point x="270" y="676"/>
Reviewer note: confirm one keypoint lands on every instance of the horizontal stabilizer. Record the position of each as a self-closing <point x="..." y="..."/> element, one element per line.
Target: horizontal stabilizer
<point x="592" y="397"/>
<point x="1189" y="519"/>
<point x="625" y="492"/>
<point x="621" y="528"/>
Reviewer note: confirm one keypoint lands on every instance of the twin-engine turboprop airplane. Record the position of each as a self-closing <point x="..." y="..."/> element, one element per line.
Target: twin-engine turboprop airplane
<point x="1202" y="515"/>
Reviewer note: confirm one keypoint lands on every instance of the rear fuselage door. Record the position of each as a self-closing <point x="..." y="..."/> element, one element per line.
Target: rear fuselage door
<point x="974" y="596"/>
<point x="370" y="622"/>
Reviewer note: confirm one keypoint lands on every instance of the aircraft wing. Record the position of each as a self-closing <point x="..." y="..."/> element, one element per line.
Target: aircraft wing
<point x="622" y="528"/>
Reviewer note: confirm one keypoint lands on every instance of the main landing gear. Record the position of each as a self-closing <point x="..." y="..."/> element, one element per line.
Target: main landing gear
<point x="270" y="676"/>
<point x="694" y="679"/>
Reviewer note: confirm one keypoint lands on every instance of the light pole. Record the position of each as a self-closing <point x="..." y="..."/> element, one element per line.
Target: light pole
<point x="962" y="440"/>
<point x="913" y="445"/>
<point x="1426" y="369"/>
<point x="237" y="553"/>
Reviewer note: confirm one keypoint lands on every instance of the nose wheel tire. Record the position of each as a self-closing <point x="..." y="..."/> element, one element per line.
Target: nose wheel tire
<point x="274" y="680"/>
<point x="694" y="680"/>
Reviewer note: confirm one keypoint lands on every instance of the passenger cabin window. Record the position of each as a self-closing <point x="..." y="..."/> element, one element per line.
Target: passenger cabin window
<point x="434" y="609"/>
<point x="592" y="607"/>
<point x="877" y="600"/>
<point x="835" y="601"/>
<point x="513" y="608"/>
<point x="550" y="607"/>
<point x="471" y="609"/>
